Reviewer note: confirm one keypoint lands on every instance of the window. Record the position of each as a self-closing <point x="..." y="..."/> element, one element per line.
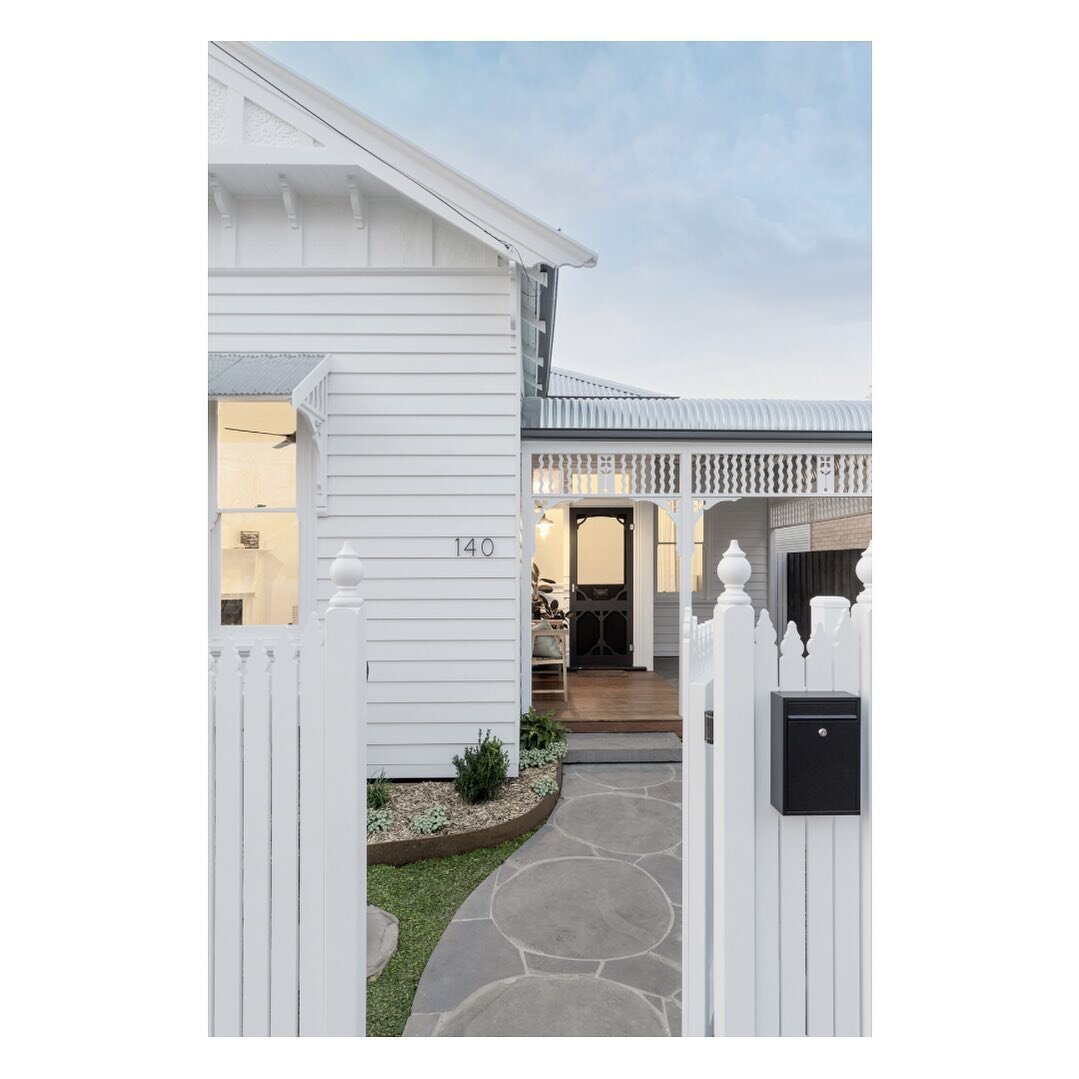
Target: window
<point x="667" y="554"/>
<point x="256" y="527"/>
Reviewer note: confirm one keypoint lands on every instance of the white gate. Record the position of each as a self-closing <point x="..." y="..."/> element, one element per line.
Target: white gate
<point x="288" y="834"/>
<point x="776" y="915"/>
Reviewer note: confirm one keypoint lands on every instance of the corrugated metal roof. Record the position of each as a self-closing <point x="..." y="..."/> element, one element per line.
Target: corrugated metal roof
<point x="573" y="384"/>
<point x="259" y="374"/>
<point x="694" y="414"/>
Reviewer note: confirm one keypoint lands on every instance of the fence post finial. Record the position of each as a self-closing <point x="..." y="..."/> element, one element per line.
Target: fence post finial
<point x="346" y="572"/>
<point x="864" y="571"/>
<point x="733" y="571"/>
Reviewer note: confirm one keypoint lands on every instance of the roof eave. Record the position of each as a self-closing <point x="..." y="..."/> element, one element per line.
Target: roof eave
<point x="684" y="435"/>
<point x="534" y="241"/>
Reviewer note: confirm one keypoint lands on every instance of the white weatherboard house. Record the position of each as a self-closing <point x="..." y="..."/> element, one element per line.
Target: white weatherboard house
<point x="381" y="334"/>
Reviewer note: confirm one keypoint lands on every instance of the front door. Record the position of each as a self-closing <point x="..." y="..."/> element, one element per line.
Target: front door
<point x="601" y="588"/>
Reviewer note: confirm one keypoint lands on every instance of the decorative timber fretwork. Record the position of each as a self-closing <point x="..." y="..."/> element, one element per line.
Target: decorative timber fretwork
<point x="310" y="400"/>
<point x="782" y="474"/>
<point x="712" y="475"/>
<point x="605" y="474"/>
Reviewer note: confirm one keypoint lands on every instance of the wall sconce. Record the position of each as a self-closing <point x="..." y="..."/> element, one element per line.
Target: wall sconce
<point x="544" y="526"/>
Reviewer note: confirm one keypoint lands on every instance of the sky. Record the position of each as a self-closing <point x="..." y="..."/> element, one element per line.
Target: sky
<point x="725" y="187"/>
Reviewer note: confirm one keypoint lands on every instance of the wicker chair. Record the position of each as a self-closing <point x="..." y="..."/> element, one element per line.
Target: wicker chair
<point x="559" y="665"/>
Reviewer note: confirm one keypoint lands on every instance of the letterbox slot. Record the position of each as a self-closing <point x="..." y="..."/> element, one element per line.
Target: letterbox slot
<point x="806" y="715"/>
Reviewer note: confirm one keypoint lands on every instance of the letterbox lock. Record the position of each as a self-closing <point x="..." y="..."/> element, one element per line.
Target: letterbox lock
<point x="823" y="732"/>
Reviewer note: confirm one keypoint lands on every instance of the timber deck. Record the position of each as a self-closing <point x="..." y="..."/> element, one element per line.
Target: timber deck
<point x="615" y="701"/>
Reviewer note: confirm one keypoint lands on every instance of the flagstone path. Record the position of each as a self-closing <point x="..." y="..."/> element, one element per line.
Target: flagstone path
<point x="579" y="932"/>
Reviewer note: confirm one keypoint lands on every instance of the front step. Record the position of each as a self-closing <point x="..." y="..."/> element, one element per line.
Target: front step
<point x="629" y="726"/>
<point x="613" y="748"/>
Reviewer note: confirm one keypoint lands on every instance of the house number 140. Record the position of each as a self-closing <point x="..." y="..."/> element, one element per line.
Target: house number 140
<point x="468" y="546"/>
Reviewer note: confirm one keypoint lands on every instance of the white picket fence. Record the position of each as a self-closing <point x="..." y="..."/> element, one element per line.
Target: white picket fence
<point x="288" y="831"/>
<point x="776" y="914"/>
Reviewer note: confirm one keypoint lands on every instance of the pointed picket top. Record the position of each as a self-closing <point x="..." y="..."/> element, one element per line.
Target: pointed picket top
<point x="819" y="656"/>
<point x="864" y="572"/>
<point x="846" y="645"/>
<point x="346" y="572"/>
<point x="792" y="665"/>
<point x="230" y="662"/>
<point x="733" y="572"/>
<point x="765" y="632"/>
<point x="791" y="645"/>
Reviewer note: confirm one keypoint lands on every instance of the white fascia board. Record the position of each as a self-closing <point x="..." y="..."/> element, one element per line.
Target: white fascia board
<point x="534" y="241"/>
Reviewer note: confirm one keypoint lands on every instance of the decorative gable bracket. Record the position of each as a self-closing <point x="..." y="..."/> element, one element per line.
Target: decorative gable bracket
<point x="310" y="399"/>
<point x="355" y="196"/>
<point x="291" y="200"/>
<point x="222" y="200"/>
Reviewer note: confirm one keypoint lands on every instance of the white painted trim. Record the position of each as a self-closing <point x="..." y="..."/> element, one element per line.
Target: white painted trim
<point x="214" y="521"/>
<point x="358" y="271"/>
<point x="644" y="584"/>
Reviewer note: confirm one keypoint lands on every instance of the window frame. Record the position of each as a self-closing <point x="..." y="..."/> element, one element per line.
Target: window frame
<point x="304" y="509"/>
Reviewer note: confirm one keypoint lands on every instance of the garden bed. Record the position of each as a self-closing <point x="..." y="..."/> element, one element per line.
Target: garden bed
<point x="516" y="809"/>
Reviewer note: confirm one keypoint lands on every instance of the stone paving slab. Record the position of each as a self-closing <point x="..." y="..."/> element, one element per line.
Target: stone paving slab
<point x="544" y="1005"/>
<point x="583" y="908"/>
<point x="579" y="933"/>
<point x="624" y="776"/>
<point x="621" y="822"/>
<point x="548" y="964"/>
<point x="604" y="748"/>
<point x="468" y="956"/>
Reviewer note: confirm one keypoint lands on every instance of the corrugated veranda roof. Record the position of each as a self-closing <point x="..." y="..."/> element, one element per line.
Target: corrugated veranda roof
<point x="695" y="414"/>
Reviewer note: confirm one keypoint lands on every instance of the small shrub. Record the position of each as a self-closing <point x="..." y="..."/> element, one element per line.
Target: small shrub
<point x="540" y="729"/>
<point x="536" y="758"/>
<point x="432" y="819"/>
<point x="544" y="785"/>
<point x="378" y="820"/>
<point x="482" y="770"/>
<point x="378" y="791"/>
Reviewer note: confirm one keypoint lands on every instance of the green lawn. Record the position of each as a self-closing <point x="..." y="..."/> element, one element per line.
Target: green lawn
<point x="424" y="896"/>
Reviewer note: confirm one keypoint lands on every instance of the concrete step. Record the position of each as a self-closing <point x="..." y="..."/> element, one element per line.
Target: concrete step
<point x="611" y="748"/>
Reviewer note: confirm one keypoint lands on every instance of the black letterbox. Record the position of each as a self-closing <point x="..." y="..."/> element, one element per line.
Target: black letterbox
<point x="816" y="753"/>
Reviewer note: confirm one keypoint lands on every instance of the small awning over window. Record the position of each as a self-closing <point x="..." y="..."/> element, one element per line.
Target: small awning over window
<point x="260" y="374"/>
<point x="300" y="377"/>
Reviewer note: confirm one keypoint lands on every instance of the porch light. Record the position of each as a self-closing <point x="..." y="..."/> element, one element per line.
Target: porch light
<point x="544" y="526"/>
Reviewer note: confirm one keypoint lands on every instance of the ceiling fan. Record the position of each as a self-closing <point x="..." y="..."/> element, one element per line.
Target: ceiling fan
<point x="289" y="440"/>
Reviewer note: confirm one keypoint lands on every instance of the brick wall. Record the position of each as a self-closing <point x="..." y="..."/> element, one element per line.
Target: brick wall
<point x="844" y="533"/>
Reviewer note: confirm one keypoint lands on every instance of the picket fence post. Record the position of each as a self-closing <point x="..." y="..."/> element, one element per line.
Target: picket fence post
<point x="862" y="616"/>
<point x="694" y="841"/>
<point x="733" y="915"/>
<point x="345" y="944"/>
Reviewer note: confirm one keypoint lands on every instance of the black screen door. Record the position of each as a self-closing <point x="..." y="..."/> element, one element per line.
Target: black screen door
<point x="601" y="588"/>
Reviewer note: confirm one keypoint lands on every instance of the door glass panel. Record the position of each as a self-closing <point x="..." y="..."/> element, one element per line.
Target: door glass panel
<point x="260" y="559"/>
<point x="601" y="551"/>
<point x="256" y="469"/>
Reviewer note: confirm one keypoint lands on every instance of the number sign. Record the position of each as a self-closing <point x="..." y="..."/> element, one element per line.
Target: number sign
<point x="472" y="546"/>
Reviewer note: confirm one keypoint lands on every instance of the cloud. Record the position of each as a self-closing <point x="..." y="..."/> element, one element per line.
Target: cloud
<point x="725" y="186"/>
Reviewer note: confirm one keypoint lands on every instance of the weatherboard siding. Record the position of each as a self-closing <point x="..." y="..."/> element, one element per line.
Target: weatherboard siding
<point x="424" y="447"/>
